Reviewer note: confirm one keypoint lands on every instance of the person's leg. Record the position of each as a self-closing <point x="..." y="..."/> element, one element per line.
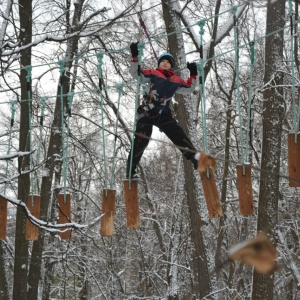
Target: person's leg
<point x="142" y="135"/>
<point x="175" y="133"/>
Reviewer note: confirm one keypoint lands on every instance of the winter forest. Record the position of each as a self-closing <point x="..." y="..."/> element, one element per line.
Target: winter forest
<point x="68" y="115"/>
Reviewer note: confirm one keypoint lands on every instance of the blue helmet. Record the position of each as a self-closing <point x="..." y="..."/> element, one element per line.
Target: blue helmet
<point x="168" y="57"/>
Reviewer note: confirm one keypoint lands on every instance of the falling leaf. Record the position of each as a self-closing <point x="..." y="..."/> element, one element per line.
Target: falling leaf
<point x="258" y="252"/>
<point x="205" y="161"/>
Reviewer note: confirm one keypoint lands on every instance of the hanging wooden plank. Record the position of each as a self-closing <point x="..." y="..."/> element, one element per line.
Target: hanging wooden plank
<point x="294" y="160"/>
<point x="64" y="214"/>
<point x="108" y="208"/>
<point x="211" y="194"/>
<point x="33" y="205"/>
<point x="131" y="204"/>
<point x="244" y="183"/>
<point x="3" y="218"/>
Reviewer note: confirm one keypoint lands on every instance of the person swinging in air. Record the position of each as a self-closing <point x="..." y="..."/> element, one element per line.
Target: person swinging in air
<point x="163" y="83"/>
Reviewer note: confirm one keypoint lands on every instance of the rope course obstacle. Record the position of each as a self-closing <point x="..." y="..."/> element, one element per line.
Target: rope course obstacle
<point x="207" y="177"/>
<point x="294" y="138"/>
<point x="244" y="181"/>
<point x="130" y="186"/>
<point x="3" y="202"/>
<point x="33" y="200"/>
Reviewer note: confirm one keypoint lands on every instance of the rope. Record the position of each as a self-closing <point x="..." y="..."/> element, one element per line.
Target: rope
<point x="69" y="102"/>
<point x="137" y="99"/>
<point x="100" y="62"/>
<point x="236" y="42"/>
<point x="251" y="44"/>
<point x="200" y="67"/>
<point x="61" y="64"/>
<point x="163" y="36"/>
<point x="28" y="69"/>
<point x="120" y="90"/>
<point x="12" y="119"/>
<point x="43" y="102"/>
<point x="147" y="34"/>
<point x="295" y="119"/>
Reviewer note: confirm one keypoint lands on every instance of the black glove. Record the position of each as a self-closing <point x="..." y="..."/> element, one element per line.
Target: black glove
<point x="134" y="49"/>
<point x="193" y="69"/>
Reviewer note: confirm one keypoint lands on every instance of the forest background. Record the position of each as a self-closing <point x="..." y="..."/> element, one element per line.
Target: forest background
<point x="58" y="122"/>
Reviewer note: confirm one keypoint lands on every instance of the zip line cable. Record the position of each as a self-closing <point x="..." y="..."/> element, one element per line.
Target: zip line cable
<point x="246" y="45"/>
<point x="158" y="37"/>
<point x="147" y="34"/>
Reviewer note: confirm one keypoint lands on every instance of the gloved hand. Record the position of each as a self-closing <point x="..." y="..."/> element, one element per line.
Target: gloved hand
<point x="134" y="49"/>
<point x="193" y="68"/>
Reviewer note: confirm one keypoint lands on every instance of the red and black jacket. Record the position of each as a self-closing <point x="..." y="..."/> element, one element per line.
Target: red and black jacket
<point x="163" y="84"/>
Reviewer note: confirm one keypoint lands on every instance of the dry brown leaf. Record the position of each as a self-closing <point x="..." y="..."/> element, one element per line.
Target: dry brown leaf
<point x="205" y="161"/>
<point x="258" y="252"/>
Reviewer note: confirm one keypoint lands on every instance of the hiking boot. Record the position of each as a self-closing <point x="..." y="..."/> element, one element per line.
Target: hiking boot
<point x="134" y="174"/>
<point x="194" y="162"/>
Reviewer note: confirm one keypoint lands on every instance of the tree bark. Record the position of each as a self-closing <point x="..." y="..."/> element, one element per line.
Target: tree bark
<point x="273" y="114"/>
<point x="52" y="163"/>
<point x="4" y="293"/>
<point x="201" y="276"/>
<point x="21" y="244"/>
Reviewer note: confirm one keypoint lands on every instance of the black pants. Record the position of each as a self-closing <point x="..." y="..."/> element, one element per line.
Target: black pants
<point x="167" y="124"/>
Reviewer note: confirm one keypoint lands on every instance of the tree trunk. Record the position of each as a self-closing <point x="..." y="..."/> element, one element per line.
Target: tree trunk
<point x="21" y="244"/>
<point x="4" y="293"/>
<point x="222" y="231"/>
<point x="201" y="276"/>
<point x="52" y="163"/>
<point x="273" y="114"/>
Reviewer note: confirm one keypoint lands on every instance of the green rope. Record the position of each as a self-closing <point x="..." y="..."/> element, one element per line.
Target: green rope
<point x="238" y="81"/>
<point x="69" y="101"/>
<point x="28" y="69"/>
<point x="100" y="62"/>
<point x="200" y="67"/>
<point x="12" y="119"/>
<point x="157" y="37"/>
<point x="61" y="64"/>
<point x="183" y="29"/>
<point x="295" y="119"/>
<point x="251" y="44"/>
<point x="137" y="99"/>
<point x="43" y="102"/>
<point x="120" y="91"/>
